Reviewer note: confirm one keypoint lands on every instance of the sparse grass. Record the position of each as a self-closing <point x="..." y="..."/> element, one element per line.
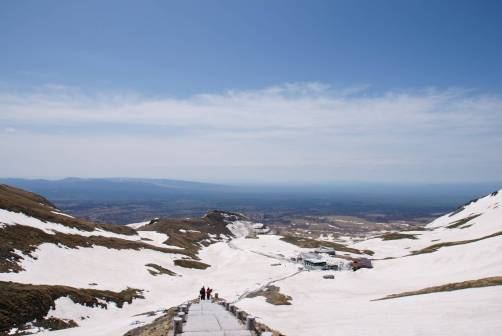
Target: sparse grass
<point x="261" y="328"/>
<point x="397" y="236"/>
<point x="197" y="230"/>
<point x="462" y="208"/>
<point x="416" y="228"/>
<point x="435" y="247"/>
<point x="458" y="210"/>
<point x="312" y="243"/>
<point x="187" y="263"/>
<point x="23" y="303"/>
<point x="159" y="327"/>
<point x="26" y="239"/>
<point x="462" y="221"/>
<point x="53" y="323"/>
<point x="159" y="270"/>
<point x="273" y="296"/>
<point x="18" y="200"/>
<point x="485" y="282"/>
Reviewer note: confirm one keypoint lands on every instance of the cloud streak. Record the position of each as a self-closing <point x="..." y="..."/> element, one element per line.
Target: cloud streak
<point x="291" y="106"/>
<point x="340" y="133"/>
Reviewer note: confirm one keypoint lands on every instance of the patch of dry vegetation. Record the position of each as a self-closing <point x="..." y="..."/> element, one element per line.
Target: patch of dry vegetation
<point x="273" y="296"/>
<point x="51" y="323"/>
<point x="14" y="238"/>
<point x="161" y="326"/>
<point x="18" y="200"/>
<point x="261" y="328"/>
<point x="23" y="303"/>
<point x="397" y="236"/>
<point x="195" y="231"/>
<point x="416" y="228"/>
<point x="312" y="243"/>
<point x="159" y="270"/>
<point x="485" y="282"/>
<point x="462" y="221"/>
<point x="187" y="263"/>
<point x="26" y="239"/>
<point x="435" y="247"/>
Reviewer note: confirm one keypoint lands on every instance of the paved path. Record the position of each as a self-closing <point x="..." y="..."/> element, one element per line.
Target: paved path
<point x="211" y="319"/>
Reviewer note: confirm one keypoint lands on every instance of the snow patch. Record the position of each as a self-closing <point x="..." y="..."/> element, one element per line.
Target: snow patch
<point x="137" y="225"/>
<point x="62" y="214"/>
<point x="18" y="218"/>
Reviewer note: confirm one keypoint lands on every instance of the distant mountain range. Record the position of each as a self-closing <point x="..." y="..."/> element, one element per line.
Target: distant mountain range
<point x="115" y="189"/>
<point x="125" y="200"/>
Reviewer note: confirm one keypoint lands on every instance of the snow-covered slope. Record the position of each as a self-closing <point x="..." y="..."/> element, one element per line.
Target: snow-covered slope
<point x="469" y="249"/>
<point x="18" y="218"/>
<point x="40" y="245"/>
<point x="475" y="220"/>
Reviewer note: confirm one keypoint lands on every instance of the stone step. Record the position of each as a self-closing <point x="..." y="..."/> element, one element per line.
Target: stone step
<point x="207" y="318"/>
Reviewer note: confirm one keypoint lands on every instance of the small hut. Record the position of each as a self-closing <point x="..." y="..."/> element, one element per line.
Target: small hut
<point x="361" y="263"/>
<point x="312" y="261"/>
<point x="315" y="264"/>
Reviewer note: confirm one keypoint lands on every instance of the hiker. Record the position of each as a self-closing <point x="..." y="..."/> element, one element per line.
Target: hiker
<point x="202" y="293"/>
<point x="208" y="293"/>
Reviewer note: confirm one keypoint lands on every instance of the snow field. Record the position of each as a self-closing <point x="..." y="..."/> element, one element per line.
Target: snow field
<point x="319" y="306"/>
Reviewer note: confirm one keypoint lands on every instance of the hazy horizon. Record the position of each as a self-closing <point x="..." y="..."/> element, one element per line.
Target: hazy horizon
<point x="261" y="184"/>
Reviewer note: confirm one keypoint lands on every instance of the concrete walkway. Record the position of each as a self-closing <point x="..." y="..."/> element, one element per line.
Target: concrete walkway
<point x="211" y="319"/>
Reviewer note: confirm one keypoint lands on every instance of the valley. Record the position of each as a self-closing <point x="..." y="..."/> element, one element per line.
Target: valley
<point x="66" y="276"/>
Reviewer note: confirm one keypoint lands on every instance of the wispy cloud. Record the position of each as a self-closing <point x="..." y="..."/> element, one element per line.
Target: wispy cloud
<point x="9" y="129"/>
<point x="290" y="106"/>
<point x="345" y="131"/>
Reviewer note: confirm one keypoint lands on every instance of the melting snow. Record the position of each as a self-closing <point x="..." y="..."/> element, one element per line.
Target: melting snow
<point x="319" y="306"/>
<point x="62" y="214"/>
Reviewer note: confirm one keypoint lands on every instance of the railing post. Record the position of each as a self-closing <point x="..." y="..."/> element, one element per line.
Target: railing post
<point x="178" y="325"/>
<point x="182" y="315"/>
<point x="250" y="323"/>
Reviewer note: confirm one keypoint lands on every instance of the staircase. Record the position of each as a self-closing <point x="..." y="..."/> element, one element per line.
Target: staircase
<point x="209" y="319"/>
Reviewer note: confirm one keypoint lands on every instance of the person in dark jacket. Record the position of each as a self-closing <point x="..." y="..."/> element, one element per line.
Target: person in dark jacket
<point x="202" y="293"/>
<point x="208" y="293"/>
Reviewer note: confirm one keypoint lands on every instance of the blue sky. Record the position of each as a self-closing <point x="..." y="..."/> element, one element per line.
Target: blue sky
<point x="252" y="91"/>
<point x="188" y="47"/>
